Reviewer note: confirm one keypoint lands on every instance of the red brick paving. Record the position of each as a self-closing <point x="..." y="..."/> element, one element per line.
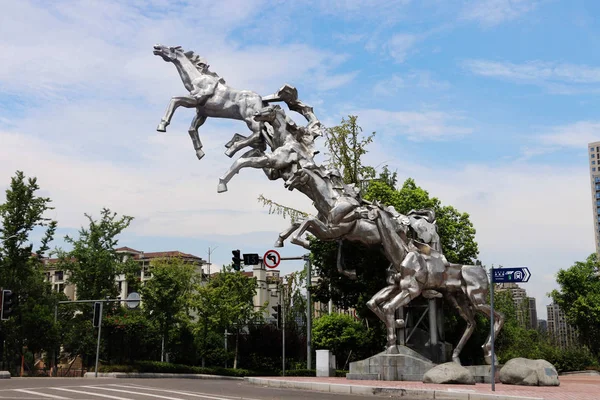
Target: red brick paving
<point x="572" y="387"/>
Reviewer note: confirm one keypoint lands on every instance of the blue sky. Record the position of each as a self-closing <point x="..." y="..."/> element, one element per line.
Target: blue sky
<point x="488" y="104"/>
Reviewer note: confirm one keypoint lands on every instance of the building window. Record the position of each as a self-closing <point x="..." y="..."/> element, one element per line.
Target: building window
<point x="58" y="276"/>
<point x="597" y="148"/>
<point x="593" y="169"/>
<point x="597" y="179"/>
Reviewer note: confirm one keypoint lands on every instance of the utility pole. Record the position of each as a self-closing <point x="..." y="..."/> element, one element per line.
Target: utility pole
<point x="308" y="313"/>
<point x="210" y="251"/>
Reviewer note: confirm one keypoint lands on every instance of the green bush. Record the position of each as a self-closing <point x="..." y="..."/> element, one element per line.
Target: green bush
<point x="168" y="368"/>
<point x="301" y="372"/>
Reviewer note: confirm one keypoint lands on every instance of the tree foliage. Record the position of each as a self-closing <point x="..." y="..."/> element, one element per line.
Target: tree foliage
<point x="167" y="295"/>
<point x="579" y="298"/>
<point x="340" y="333"/>
<point x="93" y="263"/>
<point x="22" y="217"/>
<point x="346" y="147"/>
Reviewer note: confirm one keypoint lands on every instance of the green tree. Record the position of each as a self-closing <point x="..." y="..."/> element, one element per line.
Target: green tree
<point x="226" y="302"/>
<point x="346" y="147"/>
<point x="22" y="270"/>
<point x="579" y="298"/>
<point x="340" y="333"/>
<point x="93" y="263"/>
<point x="92" y="266"/>
<point x="167" y="296"/>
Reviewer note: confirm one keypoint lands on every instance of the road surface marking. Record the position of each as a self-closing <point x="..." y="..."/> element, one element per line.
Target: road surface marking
<point x="39" y="394"/>
<point x="150" y="394"/>
<point x="194" y="394"/>
<point x="91" y="393"/>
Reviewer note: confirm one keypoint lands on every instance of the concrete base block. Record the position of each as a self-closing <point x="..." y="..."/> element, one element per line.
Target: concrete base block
<point x="408" y="365"/>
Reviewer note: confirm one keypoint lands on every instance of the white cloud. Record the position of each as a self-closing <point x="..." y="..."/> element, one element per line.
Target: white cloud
<point x="419" y="79"/>
<point x="577" y="134"/>
<point x="556" y="77"/>
<point x="494" y="12"/>
<point x="416" y="125"/>
<point x="400" y="45"/>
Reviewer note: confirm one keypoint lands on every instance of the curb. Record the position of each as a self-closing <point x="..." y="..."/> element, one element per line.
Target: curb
<point x="4" y="375"/>
<point x="381" y="390"/>
<point x="151" y="375"/>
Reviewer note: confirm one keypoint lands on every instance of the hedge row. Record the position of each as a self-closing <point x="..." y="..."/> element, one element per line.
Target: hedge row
<point x="168" y="368"/>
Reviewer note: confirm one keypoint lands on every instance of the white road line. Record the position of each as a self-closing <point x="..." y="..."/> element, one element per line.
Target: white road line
<point x="147" y="394"/>
<point x="194" y="394"/>
<point x="39" y="394"/>
<point x="91" y="394"/>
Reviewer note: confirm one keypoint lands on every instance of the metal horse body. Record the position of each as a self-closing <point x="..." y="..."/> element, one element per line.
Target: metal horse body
<point x="212" y="98"/>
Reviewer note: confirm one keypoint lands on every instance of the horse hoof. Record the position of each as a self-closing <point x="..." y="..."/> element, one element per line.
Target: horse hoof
<point x="200" y="154"/>
<point x="456" y="359"/>
<point x="278" y="243"/>
<point x="392" y="350"/>
<point x="400" y="323"/>
<point x="229" y="153"/>
<point x="488" y="360"/>
<point x="222" y="187"/>
<point x="162" y="127"/>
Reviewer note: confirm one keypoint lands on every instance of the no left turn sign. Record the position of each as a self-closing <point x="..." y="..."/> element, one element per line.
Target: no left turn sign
<point x="271" y="259"/>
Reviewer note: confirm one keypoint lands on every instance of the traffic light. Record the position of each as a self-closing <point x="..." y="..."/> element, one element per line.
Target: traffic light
<point x="97" y="313"/>
<point x="7" y="304"/>
<point x="277" y="315"/>
<point x="237" y="261"/>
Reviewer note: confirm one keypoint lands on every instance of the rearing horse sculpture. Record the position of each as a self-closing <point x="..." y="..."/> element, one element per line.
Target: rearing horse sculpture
<point x="419" y="268"/>
<point x="211" y="97"/>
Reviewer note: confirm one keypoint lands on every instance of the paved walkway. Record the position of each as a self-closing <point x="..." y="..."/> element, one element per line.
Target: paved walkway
<point x="572" y="387"/>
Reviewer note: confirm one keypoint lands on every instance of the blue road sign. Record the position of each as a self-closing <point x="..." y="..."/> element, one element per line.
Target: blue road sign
<point x="514" y="275"/>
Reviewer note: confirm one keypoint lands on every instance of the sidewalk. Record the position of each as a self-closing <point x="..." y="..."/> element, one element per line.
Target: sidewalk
<point x="572" y="387"/>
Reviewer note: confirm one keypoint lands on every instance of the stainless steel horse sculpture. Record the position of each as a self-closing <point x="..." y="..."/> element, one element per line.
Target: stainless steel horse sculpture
<point x="410" y="242"/>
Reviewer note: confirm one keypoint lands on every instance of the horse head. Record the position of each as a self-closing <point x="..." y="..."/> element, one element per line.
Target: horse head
<point x="267" y="114"/>
<point x="167" y="53"/>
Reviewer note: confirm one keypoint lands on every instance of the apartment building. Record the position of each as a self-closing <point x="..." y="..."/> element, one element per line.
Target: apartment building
<point x="594" y="167"/>
<point x="524" y="305"/>
<point x="562" y="334"/>
<point x="58" y="278"/>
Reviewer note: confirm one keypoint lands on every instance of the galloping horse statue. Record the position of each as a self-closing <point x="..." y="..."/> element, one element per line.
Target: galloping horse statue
<point x="410" y="242"/>
<point x="211" y="97"/>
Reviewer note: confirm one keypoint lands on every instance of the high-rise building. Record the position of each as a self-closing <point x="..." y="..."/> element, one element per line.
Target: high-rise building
<point x="524" y="305"/>
<point x="594" y="160"/>
<point x="559" y="330"/>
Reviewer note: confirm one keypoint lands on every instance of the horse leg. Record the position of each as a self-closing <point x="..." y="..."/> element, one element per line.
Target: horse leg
<point x="185" y="101"/>
<point x="389" y="312"/>
<point x="320" y="230"/>
<point x="379" y="298"/>
<point x="285" y="234"/>
<point x="498" y="323"/>
<point x="255" y="127"/>
<point x="197" y="122"/>
<point x="256" y="162"/>
<point x="465" y="311"/>
<point x="351" y="273"/>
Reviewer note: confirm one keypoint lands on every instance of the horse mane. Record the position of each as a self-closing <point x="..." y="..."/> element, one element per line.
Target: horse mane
<point x="197" y="60"/>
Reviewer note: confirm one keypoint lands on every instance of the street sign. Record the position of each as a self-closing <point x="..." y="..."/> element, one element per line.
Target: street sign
<point x="133" y="300"/>
<point x="271" y="259"/>
<point x="512" y="275"/>
<point x="251" y="259"/>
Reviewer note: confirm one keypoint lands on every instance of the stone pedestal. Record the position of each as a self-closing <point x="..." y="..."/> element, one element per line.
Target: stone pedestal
<point x="325" y="363"/>
<point x="408" y="365"/>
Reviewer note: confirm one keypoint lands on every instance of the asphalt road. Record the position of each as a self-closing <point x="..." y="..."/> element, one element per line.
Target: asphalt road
<point x="150" y="389"/>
